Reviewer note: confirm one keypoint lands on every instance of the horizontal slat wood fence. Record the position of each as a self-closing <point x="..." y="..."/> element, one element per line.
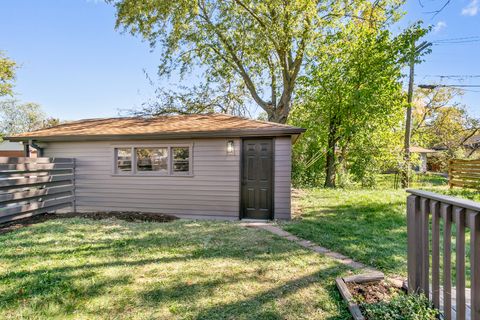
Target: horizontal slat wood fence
<point x="462" y="215"/>
<point x="464" y="173"/>
<point x="30" y="186"/>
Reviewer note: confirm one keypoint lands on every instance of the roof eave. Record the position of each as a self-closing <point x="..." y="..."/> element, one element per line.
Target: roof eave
<point x="152" y="136"/>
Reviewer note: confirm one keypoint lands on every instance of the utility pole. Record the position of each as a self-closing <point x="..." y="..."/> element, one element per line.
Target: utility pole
<point x="408" y="121"/>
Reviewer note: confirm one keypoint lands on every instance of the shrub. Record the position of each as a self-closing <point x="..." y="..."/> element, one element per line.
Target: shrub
<point x="401" y="307"/>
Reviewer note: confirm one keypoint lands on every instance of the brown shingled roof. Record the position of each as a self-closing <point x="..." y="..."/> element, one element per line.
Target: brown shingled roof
<point x="181" y="126"/>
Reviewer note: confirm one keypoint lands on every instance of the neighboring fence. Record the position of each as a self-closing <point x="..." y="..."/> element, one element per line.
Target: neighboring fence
<point x="464" y="173"/>
<point x="445" y="211"/>
<point x="30" y="186"/>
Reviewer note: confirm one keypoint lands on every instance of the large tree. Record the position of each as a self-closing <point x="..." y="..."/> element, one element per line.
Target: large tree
<point x="352" y="99"/>
<point x="7" y="75"/>
<point x="440" y="121"/>
<point x="16" y="117"/>
<point x="261" y="42"/>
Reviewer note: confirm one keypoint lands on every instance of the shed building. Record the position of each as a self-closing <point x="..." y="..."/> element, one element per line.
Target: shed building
<point x="211" y="166"/>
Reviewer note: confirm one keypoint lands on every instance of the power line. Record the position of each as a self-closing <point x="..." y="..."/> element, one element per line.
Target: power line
<point x="433" y="86"/>
<point x="459" y="77"/>
<point x="456" y="39"/>
<point x="453" y="75"/>
<point x="462" y="42"/>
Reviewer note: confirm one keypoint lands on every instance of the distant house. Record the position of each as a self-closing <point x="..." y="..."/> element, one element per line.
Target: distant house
<point x="197" y="166"/>
<point x="423" y="152"/>
<point x="470" y="147"/>
<point x="11" y="149"/>
<point x="472" y="144"/>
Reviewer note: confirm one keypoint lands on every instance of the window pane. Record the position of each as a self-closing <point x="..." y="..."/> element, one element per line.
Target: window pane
<point x="124" y="159"/>
<point x="181" y="159"/>
<point x="152" y="159"/>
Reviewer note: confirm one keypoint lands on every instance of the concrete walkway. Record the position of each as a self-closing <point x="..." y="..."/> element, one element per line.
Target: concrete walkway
<point x="308" y="245"/>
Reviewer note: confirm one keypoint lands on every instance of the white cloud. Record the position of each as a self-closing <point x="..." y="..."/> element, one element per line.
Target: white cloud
<point x="472" y="8"/>
<point x="439" y="26"/>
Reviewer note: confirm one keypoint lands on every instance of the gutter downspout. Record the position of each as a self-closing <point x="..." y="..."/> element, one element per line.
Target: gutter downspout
<point x="36" y="146"/>
<point x="26" y="149"/>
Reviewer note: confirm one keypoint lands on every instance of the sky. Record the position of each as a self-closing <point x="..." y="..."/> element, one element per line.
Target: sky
<point x="75" y="64"/>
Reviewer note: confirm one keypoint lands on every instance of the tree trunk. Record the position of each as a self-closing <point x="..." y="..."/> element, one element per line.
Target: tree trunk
<point x="330" y="165"/>
<point x="280" y="113"/>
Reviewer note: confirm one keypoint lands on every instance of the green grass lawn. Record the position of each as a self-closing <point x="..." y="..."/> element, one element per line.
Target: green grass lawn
<point x="111" y="269"/>
<point x="367" y="225"/>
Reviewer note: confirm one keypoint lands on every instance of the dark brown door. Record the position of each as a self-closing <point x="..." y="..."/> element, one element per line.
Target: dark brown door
<point x="257" y="162"/>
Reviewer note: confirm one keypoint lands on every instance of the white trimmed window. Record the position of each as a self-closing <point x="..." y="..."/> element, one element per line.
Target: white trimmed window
<point x="153" y="160"/>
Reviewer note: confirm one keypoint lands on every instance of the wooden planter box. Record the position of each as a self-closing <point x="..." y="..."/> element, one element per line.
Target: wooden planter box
<point x="347" y="296"/>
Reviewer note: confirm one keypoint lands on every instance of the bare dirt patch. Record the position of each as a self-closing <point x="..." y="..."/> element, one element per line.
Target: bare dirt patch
<point x="122" y="215"/>
<point x="372" y="292"/>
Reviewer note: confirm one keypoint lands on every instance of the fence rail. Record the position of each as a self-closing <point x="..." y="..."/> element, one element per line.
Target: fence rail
<point x="463" y="215"/>
<point x="464" y="173"/>
<point x="30" y="186"/>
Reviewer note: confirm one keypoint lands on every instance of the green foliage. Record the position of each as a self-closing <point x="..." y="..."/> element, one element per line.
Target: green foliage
<point x="402" y="307"/>
<point x="439" y="121"/>
<point x="258" y="45"/>
<point x="352" y="103"/>
<point x="7" y="75"/>
<point x="16" y="117"/>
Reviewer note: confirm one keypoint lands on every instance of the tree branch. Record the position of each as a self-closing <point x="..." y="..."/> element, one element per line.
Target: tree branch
<point x="241" y="69"/>
<point x="273" y="83"/>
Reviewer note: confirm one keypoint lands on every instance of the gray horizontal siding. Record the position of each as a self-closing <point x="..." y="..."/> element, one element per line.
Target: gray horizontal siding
<point x="212" y="191"/>
<point x="282" y="179"/>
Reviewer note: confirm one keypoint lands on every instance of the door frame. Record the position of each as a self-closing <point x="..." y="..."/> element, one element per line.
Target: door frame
<point x="272" y="182"/>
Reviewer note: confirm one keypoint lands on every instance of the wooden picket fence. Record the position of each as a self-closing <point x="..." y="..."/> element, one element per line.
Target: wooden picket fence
<point x="431" y="218"/>
<point x="464" y="173"/>
<point x="31" y="186"/>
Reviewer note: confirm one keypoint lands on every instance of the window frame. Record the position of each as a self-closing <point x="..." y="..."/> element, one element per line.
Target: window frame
<point x="157" y="173"/>
<point x="171" y="162"/>
<point x="115" y="163"/>
<point x="135" y="173"/>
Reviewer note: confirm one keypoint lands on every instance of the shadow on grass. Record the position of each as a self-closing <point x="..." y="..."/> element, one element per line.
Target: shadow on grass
<point x="51" y="264"/>
<point x="58" y="286"/>
<point x="203" y="244"/>
<point x="260" y="305"/>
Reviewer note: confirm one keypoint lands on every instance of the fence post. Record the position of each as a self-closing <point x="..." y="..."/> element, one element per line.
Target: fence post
<point x="446" y="213"/>
<point x="459" y="216"/>
<point x="423" y="244"/>
<point x="475" y="264"/>
<point x="435" y="211"/>
<point x="414" y="254"/>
